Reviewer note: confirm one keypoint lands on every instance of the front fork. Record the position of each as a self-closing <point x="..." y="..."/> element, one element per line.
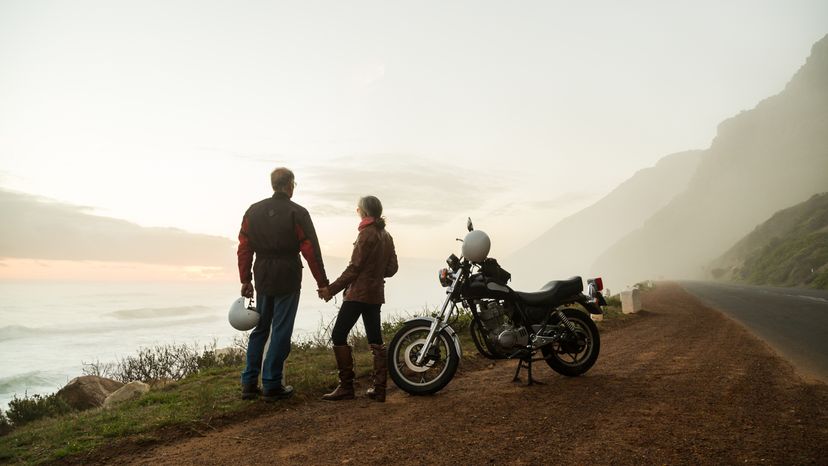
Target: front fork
<point x="437" y="325"/>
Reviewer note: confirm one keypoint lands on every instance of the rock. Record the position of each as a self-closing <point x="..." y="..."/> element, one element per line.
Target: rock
<point x="229" y="351"/>
<point x="630" y="301"/>
<point x="597" y="317"/>
<point x="128" y="392"/>
<point x="88" y="391"/>
<point x="230" y="356"/>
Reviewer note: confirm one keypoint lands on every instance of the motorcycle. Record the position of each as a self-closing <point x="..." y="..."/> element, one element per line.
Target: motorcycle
<point x="424" y="354"/>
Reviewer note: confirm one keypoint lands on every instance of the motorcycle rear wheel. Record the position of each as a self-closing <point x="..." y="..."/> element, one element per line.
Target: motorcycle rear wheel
<point x="577" y="355"/>
<point x="432" y="376"/>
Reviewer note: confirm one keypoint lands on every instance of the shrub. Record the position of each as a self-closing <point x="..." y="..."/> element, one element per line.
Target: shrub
<point x="461" y="320"/>
<point x="99" y="369"/>
<point x="718" y="273"/>
<point x="5" y="424"/>
<point x="614" y="300"/>
<point x="645" y="286"/>
<point x="31" y="408"/>
<point x="211" y="357"/>
<point x="166" y="362"/>
<point x="390" y="327"/>
<point x="169" y="362"/>
<point x="319" y="339"/>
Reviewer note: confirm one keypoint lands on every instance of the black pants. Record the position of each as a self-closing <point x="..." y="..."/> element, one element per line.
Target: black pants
<point x="347" y="317"/>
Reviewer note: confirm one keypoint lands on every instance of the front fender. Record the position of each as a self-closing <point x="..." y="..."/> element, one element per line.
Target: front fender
<point x="430" y="320"/>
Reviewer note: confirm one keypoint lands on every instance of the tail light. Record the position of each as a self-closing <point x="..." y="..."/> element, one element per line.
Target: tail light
<point x="595" y="286"/>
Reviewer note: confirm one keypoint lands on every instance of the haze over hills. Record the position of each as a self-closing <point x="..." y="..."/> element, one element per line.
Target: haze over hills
<point x="571" y="246"/>
<point x="761" y="161"/>
<point x="789" y="249"/>
<point x="46" y="229"/>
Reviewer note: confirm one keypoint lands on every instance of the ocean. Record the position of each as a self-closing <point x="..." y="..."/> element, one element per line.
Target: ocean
<point x="48" y="330"/>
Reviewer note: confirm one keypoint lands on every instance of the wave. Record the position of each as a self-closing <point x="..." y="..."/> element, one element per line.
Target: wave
<point x="11" y="332"/>
<point x="15" y="332"/>
<point x="21" y="384"/>
<point x="162" y="312"/>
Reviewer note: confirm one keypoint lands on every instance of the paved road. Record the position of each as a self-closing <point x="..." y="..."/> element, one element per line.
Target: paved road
<point x="793" y="321"/>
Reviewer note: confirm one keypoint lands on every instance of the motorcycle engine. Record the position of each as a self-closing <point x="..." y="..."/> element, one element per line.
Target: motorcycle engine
<point x="500" y="330"/>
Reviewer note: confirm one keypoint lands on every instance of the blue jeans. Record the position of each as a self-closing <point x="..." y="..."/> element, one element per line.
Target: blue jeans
<point x="276" y="317"/>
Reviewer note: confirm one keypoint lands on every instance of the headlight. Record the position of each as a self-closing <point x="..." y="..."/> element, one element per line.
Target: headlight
<point x="453" y="262"/>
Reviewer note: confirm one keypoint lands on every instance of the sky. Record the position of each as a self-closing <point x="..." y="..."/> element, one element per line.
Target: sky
<point x="141" y="131"/>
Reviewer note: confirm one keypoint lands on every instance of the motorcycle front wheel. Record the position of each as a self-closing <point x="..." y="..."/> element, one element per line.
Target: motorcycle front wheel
<point x="575" y="353"/>
<point x="438" y="368"/>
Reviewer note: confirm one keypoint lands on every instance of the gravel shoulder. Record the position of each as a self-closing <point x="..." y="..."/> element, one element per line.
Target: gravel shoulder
<point x="677" y="384"/>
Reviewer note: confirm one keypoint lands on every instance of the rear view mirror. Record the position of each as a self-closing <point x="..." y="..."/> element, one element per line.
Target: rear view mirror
<point x="469" y="224"/>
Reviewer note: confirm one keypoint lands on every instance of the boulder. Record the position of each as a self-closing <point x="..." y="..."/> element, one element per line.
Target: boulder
<point x="128" y="392"/>
<point x="230" y="351"/>
<point x="88" y="391"/>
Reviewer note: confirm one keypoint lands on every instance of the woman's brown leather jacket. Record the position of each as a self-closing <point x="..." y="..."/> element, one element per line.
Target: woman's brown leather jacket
<point x="373" y="260"/>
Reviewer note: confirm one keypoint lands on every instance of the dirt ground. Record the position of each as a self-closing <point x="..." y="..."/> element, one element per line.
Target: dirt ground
<point x="678" y="384"/>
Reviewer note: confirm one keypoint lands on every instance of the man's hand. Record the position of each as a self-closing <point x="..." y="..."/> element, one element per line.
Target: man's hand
<point x="247" y="290"/>
<point x="325" y="293"/>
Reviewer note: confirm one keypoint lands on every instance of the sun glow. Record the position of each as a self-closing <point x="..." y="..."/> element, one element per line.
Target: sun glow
<point x="97" y="271"/>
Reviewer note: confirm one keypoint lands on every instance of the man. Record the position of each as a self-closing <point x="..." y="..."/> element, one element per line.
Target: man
<point x="275" y="230"/>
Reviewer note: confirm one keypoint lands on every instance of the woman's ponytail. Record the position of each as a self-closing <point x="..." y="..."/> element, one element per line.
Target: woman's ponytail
<point x="372" y="207"/>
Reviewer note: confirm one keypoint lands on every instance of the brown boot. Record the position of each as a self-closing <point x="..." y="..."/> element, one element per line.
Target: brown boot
<point x="345" y="364"/>
<point x="377" y="393"/>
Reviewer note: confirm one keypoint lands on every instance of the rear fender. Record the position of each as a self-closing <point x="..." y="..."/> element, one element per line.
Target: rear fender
<point x="590" y="305"/>
<point x="430" y="320"/>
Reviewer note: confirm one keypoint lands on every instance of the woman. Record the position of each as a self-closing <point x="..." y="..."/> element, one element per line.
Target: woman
<point x="372" y="260"/>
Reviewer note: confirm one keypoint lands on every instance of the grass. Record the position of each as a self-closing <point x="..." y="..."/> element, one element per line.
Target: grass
<point x="793" y="261"/>
<point x="192" y="406"/>
<point x="790" y="249"/>
<point x="196" y="404"/>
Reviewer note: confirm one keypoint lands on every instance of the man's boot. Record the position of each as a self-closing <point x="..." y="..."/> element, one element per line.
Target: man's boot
<point x="250" y="391"/>
<point x="380" y="373"/>
<point x="345" y="364"/>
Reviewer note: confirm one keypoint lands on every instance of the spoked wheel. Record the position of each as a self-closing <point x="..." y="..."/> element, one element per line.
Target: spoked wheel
<point x="575" y="353"/>
<point x="437" y="369"/>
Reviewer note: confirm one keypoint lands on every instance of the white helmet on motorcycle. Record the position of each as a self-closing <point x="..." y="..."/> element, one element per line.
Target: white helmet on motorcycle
<point x="476" y="246"/>
<point x="243" y="317"/>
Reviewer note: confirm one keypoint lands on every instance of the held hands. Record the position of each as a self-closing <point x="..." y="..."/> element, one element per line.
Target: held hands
<point x="247" y="290"/>
<point x="325" y="293"/>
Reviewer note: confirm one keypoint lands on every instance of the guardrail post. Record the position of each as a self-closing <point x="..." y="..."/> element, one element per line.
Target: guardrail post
<point x="630" y="301"/>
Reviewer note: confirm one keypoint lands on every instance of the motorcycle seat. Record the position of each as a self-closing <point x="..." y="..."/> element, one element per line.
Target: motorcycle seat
<point x="553" y="292"/>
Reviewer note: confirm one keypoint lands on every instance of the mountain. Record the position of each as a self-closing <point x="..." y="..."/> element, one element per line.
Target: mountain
<point x="760" y="161"/>
<point x="789" y="249"/>
<point x="572" y="245"/>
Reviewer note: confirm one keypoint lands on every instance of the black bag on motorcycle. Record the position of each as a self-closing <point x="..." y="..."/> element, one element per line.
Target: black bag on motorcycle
<point x="494" y="272"/>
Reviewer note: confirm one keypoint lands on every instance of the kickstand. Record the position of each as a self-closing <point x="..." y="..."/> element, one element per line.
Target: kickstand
<point x="527" y="364"/>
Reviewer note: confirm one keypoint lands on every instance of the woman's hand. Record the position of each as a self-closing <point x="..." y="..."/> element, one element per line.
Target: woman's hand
<point x="325" y="293"/>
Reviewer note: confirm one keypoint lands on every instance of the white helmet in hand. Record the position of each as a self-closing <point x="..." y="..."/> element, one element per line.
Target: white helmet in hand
<point x="243" y="317"/>
<point x="476" y="246"/>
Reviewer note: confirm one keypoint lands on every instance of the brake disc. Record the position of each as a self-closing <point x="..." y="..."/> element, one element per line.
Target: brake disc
<point x="411" y="353"/>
